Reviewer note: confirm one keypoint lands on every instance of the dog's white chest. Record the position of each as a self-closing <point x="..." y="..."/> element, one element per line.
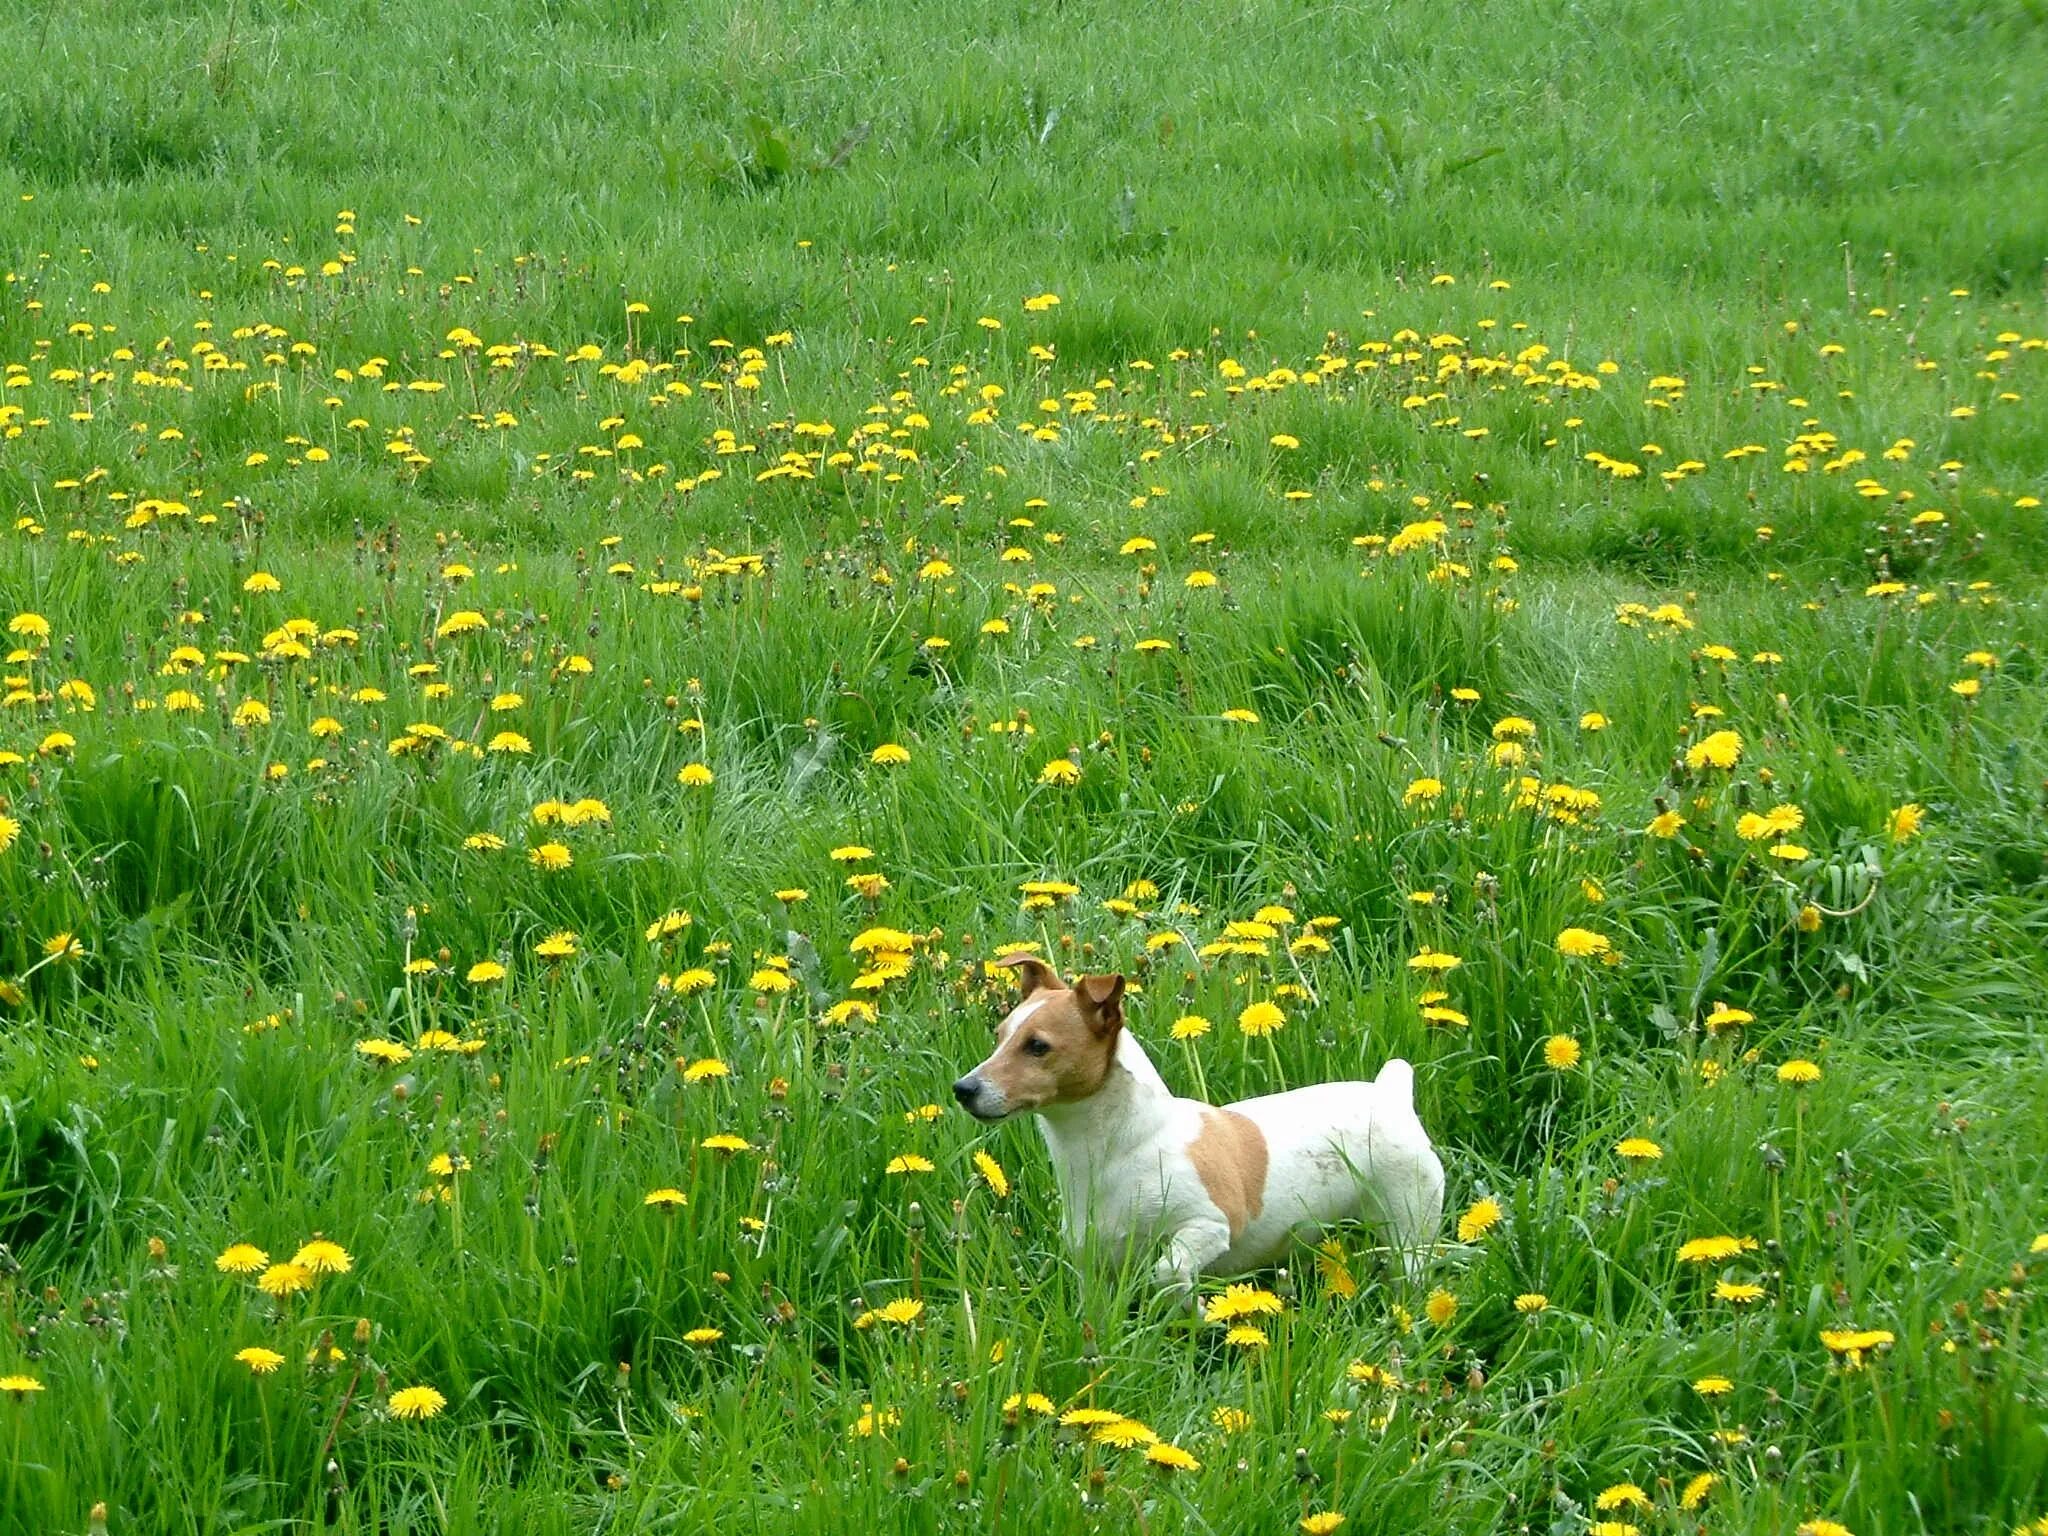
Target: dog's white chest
<point x="1136" y="1197"/>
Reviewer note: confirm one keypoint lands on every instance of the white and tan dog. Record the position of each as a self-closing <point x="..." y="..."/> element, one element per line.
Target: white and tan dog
<point x="1225" y="1189"/>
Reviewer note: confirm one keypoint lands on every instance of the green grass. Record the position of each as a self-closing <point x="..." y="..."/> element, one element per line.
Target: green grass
<point x="1820" y="219"/>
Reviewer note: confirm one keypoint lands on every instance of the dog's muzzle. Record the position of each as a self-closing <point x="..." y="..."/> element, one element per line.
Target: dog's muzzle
<point x="973" y="1095"/>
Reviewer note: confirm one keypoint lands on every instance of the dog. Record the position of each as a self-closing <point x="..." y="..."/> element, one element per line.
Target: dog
<point x="1227" y="1189"/>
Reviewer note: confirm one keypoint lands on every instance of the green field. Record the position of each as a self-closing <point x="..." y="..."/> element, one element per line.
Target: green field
<point x="575" y="572"/>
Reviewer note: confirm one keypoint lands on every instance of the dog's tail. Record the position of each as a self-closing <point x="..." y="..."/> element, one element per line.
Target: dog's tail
<point x="1397" y="1081"/>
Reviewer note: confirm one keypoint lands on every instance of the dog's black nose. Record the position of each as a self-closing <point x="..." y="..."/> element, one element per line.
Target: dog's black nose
<point x="967" y="1090"/>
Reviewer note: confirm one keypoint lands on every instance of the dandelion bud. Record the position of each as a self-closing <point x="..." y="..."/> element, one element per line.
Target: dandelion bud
<point x="362" y="1333"/>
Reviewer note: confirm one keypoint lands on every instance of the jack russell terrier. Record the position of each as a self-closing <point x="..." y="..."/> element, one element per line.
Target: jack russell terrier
<point x="1225" y="1188"/>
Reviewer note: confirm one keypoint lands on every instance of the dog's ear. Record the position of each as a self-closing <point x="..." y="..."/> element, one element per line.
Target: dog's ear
<point x="1035" y="974"/>
<point x="1102" y="1000"/>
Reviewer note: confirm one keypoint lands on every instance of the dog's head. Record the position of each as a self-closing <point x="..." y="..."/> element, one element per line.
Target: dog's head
<point x="1054" y="1047"/>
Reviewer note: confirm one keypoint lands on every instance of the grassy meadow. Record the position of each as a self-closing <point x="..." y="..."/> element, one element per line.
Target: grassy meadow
<point x="573" y="573"/>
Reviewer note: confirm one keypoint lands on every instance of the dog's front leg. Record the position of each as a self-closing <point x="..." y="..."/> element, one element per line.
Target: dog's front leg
<point x="1192" y="1249"/>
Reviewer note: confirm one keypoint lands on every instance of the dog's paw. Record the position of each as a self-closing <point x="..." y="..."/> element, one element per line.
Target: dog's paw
<point x="1175" y="1285"/>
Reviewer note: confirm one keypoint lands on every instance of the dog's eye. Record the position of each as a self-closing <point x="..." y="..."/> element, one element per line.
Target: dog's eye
<point x="1037" y="1046"/>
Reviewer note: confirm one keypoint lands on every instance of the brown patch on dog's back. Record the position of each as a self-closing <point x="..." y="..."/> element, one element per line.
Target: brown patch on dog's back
<point x="1229" y="1154"/>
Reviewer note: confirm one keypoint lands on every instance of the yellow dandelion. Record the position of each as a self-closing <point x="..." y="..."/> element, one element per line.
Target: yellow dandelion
<point x="1433" y="960"/>
<point x="1712" y="1250"/>
<point x="282" y="1280"/>
<point x="1422" y="792"/>
<point x="1621" y="1496"/>
<point x="1723" y="1017"/>
<point x="1722" y="750"/>
<point x="1261" y="1019"/>
<point x="1480" y="1218"/>
<point x="323" y="1256"/>
<point x="901" y="1312"/>
<point x="1124" y="1434"/>
<point x="1241" y="1301"/>
<point x="1665" y="825"/>
<point x="416" y="1403"/>
<point x="992" y="1174"/>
